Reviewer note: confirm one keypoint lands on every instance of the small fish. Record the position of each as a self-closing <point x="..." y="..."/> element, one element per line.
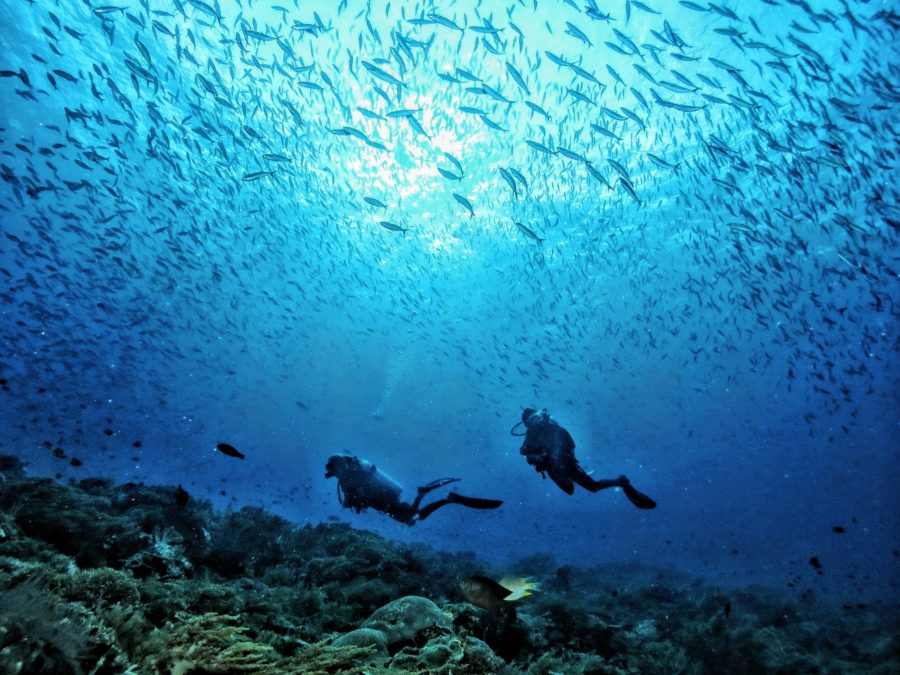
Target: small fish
<point x="517" y="78"/>
<point x="577" y="95"/>
<point x="467" y="205"/>
<point x="816" y="565"/>
<point x="444" y="21"/>
<point x="256" y="175"/>
<point x="372" y="115"/>
<point x="606" y="132"/>
<point x="484" y="592"/>
<point x="416" y="126"/>
<point x="530" y="233"/>
<point x="519" y="177"/>
<point x="569" y="154"/>
<point x="405" y="112"/>
<point x="256" y="35"/>
<point x="558" y="60"/>
<point x="382" y="74"/>
<point x="597" y="175"/>
<point x="466" y="75"/>
<point x="507" y="176"/>
<point x="628" y="42"/>
<point x="108" y="9"/>
<point x="66" y="75"/>
<point x="538" y="109"/>
<point x="206" y="9"/>
<point x="273" y="157"/>
<point x="393" y="227"/>
<point x="453" y="160"/>
<point x="660" y="162"/>
<point x="574" y="31"/>
<point x="375" y="202"/>
<point x="641" y="6"/>
<point x="449" y="175"/>
<point x="629" y="188"/>
<point x="491" y="124"/>
<point x="229" y="450"/>
<point x="540" y="147"/>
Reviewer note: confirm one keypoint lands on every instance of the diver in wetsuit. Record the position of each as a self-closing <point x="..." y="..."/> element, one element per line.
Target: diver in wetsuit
<point x="361" y="485"/>
<point x="549" y="448"/>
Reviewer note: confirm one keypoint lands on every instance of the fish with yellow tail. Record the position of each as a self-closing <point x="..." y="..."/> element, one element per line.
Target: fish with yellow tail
<point x="494" y="596"/>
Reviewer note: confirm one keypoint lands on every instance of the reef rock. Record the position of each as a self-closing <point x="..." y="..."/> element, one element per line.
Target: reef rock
<point x="408" y="621"/>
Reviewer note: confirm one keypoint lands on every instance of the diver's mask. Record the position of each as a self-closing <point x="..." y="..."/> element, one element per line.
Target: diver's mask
<point x="536" y="417"/>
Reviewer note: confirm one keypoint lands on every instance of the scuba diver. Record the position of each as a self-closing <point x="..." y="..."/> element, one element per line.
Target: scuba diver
<point x="361" y="485"/>
<point x="549" y="448"/>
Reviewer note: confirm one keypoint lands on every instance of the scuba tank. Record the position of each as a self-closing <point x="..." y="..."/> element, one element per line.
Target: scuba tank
<point x="363" y="485"/>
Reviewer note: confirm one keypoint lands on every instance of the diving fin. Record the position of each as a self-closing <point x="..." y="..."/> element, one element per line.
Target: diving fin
<point x="435" y="484"/>
<point x="639" y="499"/>
<point x="473" y="502"/>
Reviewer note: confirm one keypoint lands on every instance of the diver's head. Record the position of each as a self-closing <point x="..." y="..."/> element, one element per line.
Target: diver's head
<point x="337" y="465"/>
<point x="531" y="416"/>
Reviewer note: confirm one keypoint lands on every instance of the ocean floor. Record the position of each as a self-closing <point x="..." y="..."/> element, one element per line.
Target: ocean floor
<point x="99" y="577"/>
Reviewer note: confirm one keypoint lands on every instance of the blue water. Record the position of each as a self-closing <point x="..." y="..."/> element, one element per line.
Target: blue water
<point x="726" y="336"/>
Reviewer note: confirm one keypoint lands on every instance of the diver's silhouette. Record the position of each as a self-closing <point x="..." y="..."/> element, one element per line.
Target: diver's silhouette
<point x="549" y="448"/>
<point x="361" y="485"/>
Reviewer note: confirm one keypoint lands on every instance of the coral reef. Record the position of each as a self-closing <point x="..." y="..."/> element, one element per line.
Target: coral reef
<point x="404" y="620"/>
<point x="103" y="578"/>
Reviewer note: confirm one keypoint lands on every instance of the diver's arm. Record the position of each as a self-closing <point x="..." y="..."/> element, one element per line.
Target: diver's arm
<point x="535" y="450"/>
<point x="528" y="446"/>
<point x="536" y="457"/>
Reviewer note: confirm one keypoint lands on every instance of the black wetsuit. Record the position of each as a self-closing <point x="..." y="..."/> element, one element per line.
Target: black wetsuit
<point x="362" y="486"/>
<point x="549" y="448"/>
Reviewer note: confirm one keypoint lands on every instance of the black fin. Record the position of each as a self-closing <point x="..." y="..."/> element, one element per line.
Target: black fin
<point x="440" y="482"/>
<point x="639" y="499"/>
<point x="474" y="502"/>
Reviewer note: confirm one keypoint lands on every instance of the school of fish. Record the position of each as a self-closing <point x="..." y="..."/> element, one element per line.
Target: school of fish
<point x="537" y="190"/>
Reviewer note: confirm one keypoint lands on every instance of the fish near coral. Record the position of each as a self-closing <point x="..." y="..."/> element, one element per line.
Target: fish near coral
<point x="493" y="596"/>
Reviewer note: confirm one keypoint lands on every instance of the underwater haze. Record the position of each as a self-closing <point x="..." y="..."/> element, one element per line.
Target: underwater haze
<point x="385" y="228"/>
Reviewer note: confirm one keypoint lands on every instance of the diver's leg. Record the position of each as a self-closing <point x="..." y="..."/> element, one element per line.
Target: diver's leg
<point x="580" y="477"/>
<point x="639" y="499"/>
<point x="588" y="483"/>
<point x="405" y="513"/>
<point x="422" y="514"/>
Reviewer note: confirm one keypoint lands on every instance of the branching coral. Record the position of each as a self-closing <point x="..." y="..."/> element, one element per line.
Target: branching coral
<point x="324" y="659"/>
<point x="217" y="643"/>
<point x="213" y="643"/>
